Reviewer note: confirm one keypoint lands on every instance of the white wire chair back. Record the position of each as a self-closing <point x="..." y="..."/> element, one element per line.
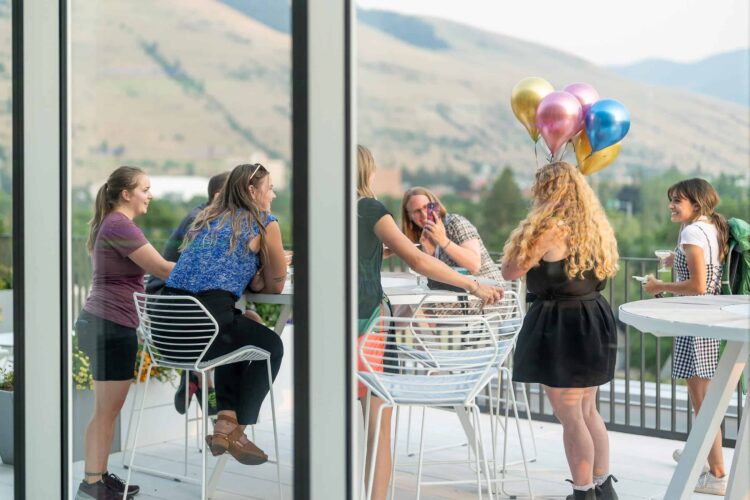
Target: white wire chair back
<point x="429" y="383"/>
<point x="504" y="318"/>
<point x="177" y="329"/>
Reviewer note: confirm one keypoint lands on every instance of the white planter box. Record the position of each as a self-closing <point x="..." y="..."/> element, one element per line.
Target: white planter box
<point x="6" y="311"/>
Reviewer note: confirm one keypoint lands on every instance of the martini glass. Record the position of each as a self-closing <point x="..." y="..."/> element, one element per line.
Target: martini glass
<point x="662" y="256"/>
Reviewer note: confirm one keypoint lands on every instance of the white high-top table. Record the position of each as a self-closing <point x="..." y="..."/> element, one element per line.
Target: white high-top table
<point x="725" y="317"/>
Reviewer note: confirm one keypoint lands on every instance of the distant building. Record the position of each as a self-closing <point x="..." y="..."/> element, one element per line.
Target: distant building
<point x="277" y="168"/>
<point x="171" y="187"/>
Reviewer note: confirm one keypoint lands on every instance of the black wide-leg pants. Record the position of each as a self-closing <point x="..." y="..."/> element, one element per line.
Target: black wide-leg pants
<point x="242" y="386"/>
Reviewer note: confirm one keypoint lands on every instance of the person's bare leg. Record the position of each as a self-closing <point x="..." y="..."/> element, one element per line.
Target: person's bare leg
<point x="579" y="446"/>
<point x="383" y="452"/>
<point x="109" y="398"/>
<point x="697" y="388"/>
<point x="598" y="432"/>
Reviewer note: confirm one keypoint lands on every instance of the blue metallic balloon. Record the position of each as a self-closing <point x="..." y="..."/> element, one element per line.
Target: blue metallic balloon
<point x="606" y="123"/>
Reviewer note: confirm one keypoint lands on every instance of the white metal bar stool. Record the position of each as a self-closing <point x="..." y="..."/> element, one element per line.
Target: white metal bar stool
<point x="505" y="319"/>
<point x="177" y="333"/>
<point x="430" y="384"/>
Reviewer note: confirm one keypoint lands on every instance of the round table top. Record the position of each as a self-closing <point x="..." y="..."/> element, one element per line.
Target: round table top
<point x="725" y="317"/>
<point x="400" y="287"/>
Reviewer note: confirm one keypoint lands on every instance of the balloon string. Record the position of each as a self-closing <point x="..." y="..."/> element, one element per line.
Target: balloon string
<point x="536" y="155"/>
<point x="574" y="153"/>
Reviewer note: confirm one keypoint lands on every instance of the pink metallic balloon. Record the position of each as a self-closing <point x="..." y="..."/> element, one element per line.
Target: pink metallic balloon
<point x="559" y="117"/>
<point x="585" y="93"/>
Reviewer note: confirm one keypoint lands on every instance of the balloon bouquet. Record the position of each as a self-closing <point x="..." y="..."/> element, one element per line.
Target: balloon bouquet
<point x="575" y="114"/>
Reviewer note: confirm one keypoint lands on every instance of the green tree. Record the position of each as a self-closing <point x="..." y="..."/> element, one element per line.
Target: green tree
<point x="502" y="208"/>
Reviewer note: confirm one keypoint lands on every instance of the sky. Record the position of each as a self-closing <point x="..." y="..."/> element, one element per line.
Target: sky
<point x="602" y="31"/>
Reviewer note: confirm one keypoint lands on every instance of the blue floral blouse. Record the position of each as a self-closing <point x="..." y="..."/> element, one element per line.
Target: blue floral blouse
<point x="206" y="263"/>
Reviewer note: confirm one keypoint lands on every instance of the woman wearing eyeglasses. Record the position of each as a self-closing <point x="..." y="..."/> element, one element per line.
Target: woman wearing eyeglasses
<point x="376" y="227"/>
<point x="222" y="253"/>
<point x="449" y="237"/>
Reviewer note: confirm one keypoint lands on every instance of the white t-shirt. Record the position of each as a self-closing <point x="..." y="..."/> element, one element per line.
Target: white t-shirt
<point x="692" y="235"/>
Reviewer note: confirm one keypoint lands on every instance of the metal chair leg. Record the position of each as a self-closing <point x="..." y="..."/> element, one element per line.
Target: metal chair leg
<point x="135" y="437"/>
<point x="132" y="410"/>
<point x="365" y="450"/>
<point x="275" y="433"/>
<point x="204" y="422"/>
<point x="186" y="374"/>
<point x="394" y="455"/>
<point x="421" y="456"/>
<point x="478" y="433"/>
<point x="520" y="440"/>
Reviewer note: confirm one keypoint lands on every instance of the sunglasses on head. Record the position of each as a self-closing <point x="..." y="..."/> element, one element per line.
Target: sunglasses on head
<point x="257" y="167"/>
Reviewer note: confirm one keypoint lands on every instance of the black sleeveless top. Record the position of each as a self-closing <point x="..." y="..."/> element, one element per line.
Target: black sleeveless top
<point x="569" y="334"/>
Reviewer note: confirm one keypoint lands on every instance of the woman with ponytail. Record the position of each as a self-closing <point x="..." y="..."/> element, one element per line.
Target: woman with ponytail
<point x="701" y="248"/>
<point x="105" y="328"/>
<point x="235" y="241"/>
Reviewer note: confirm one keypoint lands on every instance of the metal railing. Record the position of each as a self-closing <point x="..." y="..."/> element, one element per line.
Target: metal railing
<point x="642" y="398"/>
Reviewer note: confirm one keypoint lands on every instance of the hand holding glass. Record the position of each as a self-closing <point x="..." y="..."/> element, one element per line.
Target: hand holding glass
<point x="421" y="281"/>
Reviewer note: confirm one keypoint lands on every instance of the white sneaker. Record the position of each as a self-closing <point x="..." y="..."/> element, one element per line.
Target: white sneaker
<point x="676" y="456"/>
<point x="708" y="483"/>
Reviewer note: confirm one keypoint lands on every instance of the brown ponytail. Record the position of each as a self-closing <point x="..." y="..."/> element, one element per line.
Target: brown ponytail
<point x="722" y="228"/>
<point x="122" y="179"/>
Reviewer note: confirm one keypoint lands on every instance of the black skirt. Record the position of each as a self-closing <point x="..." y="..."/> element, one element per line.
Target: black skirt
<point x="569" y="334"/>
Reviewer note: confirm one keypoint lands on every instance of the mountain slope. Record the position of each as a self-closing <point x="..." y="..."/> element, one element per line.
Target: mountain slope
<point x="195" y="86"/>
<point x="726" y="76"/>
<point x="452" y="107"/>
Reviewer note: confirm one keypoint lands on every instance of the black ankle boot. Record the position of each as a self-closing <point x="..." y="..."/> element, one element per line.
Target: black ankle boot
<point x="583" y="495"/>
<point x="606" y="491"/>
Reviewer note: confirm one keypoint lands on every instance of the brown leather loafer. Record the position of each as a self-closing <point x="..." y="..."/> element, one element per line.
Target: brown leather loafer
<point x="245" y="453"/>
<point x="218" y="442"/>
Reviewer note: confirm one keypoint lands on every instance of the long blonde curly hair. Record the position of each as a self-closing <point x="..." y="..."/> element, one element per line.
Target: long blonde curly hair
<point x="563" y="197"/>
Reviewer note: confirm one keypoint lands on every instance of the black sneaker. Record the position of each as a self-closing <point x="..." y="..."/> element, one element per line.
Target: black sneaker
<point x="97" y="491"/>
<point x="179" y="396"/>
<point x="116" y="484"/>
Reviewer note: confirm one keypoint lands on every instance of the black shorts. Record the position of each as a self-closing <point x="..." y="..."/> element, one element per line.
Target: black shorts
<point x="111" y="347"/>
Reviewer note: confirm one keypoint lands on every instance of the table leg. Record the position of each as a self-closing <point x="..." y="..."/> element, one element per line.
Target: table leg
<point x="739" y="475"/>
<point x="707" y="423"/>
<point x="466" y="423"/>
<point x="216" y="474"/>
<point x="284" y="315"/>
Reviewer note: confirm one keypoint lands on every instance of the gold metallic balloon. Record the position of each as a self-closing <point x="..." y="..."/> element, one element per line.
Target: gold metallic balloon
<point x="599" y="160"/>
<point x="525" y="98"/>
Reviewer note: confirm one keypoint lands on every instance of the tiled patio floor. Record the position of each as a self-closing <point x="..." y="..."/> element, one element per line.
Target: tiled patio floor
<point x="642" y="464"/>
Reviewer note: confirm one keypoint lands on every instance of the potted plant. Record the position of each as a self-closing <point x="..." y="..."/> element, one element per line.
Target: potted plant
<point x="6" y="415"/>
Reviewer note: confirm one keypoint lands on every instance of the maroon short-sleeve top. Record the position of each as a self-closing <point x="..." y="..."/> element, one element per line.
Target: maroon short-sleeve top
<point x="115" y="275"/>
